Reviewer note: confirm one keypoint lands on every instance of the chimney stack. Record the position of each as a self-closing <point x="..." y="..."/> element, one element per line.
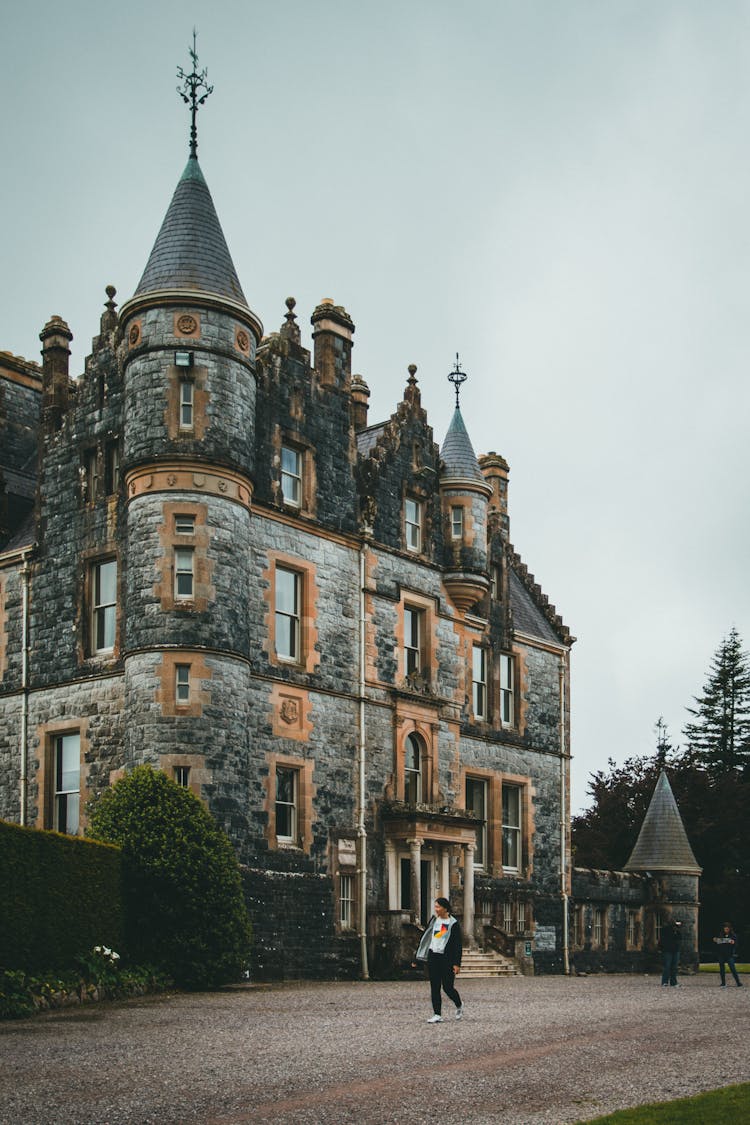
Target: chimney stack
<point x="55" y="337"/>
<point x="360" y="404"/>
<point x="333" y="329"/>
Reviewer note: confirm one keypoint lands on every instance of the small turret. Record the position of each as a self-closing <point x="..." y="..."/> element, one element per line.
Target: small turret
<point x="55" y="337"/>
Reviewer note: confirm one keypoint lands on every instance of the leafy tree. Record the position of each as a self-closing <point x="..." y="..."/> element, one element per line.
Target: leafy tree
<point x="184" y="905"/>
<point x="720" y="733"/>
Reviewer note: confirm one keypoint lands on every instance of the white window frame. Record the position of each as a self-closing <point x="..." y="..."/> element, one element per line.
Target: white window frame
<point x="66" y="814"/>
<point x="479" y="681"/>
<point x="346" y="902"/>
<point x="289" y="616"/>
<point x="291" y="476"/>
<point x="481" y="786"/>
<point x="184" y="569"/>
<point x="512" y="832"/>
<point x="413" y="513"/>
<point x="292" y="805"/>
<point x="187" y="404"/>
<point x="457" y="522"/>
<point x="182" y="684"/>
<point x="413" y="774"/>
<point x="103" y="613"/>
<point x="413" y="640"/>
<point x="507" y="689"/>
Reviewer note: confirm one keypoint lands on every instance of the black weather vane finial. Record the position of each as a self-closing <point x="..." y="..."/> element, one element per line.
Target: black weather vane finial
<point x="457" y="377"/>
<point x="190" y="93"/>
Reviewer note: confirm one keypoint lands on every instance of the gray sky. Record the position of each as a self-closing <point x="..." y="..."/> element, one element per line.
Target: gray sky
<point x="556" y="190"/>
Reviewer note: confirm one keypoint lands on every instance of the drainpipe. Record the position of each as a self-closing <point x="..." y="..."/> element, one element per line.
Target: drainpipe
<point x="25" y="576"/>
<point x="361" y="832"/>
<point x="563" y="824"/>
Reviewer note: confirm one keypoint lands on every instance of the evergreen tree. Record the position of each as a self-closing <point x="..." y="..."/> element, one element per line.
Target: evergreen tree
<point x="720" y="734"/>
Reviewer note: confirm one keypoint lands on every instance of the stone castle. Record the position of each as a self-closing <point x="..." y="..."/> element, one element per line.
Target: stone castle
<point x="212" y="560"/>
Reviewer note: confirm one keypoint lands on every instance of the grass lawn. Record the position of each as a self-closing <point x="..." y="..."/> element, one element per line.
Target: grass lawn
<point x="719" y="1107"/>
<point x="714" y="968"/>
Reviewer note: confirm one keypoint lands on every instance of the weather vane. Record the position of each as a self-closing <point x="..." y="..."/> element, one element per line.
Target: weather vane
<point x="457" y="377"/>
<point x="192" y="84"/>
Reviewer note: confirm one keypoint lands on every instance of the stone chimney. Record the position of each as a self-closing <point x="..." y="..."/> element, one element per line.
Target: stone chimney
<point x="360" y="403"/>
<point x="496" y="471"/>
<point x="55" y="337"/>
<point x="333" y="329"/>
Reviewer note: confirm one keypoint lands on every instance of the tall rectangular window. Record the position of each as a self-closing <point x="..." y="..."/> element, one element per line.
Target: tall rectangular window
<point x="182" y="683"/>
<point x="111" y="467"/>
<point x="67" y="749"/>
<point x="457" y="523"/>
<point x="183" y="572"/>
<point x="507" y="690"/>
<point x="413" y="761"/>
<point x="413" y="630"/>
<point x="182" y="776"/>
<point x="346" y="901"/>
<point x="479" y="681"/>
<point x="287" y="614"/>
<point x="512" y="827"/>
<point x="632" y="931"/>
<point x="291" y="476"/>
<point x="287" y="790"/>
<point x="91" y="470"/>
<point x="187" y="399"/>
<point x="508" y="916"/>
<point x="600" y="929"/>
<point x="476" y="802"/>
<point x="103" y="605"/>
<point x="494" y="582"/>
<point x="413" y="524"/>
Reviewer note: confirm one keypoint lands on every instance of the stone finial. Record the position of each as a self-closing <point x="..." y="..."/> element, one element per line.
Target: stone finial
<point x="290" y="330"/>
<point x="412" y="394"/>
<point x="109" y="318"/>
<point x="457" y="377"/>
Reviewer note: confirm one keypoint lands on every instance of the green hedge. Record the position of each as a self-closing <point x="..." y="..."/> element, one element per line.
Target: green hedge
<point x="59" y="897"/>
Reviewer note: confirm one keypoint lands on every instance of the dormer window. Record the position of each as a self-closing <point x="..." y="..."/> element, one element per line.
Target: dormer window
<point x="413" y="524"/>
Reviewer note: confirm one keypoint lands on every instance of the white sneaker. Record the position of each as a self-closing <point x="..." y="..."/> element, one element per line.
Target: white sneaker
<point x="435" y="1019"/>
<point x="460" y="1012"/>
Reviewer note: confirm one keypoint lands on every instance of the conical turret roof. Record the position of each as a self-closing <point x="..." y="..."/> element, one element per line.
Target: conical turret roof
<point x="190" y="251"/>
<point x="662" y="843"/>
<point x="457" y="452"/>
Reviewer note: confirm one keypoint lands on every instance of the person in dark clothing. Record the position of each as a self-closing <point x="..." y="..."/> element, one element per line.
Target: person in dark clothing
<point x="727" y="953"/>
<point x="441" y="946"/>
<point x="669" y="944"/>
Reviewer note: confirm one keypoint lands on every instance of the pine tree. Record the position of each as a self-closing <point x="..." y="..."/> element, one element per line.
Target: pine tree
<point x="720" y="734"/>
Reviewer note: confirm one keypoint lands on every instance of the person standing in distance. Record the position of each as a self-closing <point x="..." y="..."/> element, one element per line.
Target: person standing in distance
<point x="441" y="946"/>
<point x="727" y="952"/>
<point x="669" y="944"/>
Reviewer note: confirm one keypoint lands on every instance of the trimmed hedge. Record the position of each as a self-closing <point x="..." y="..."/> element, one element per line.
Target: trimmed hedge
<point x="59" y="897"/>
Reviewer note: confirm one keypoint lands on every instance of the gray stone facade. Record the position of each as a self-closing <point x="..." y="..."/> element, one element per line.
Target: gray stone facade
<point x="234" y="576"/>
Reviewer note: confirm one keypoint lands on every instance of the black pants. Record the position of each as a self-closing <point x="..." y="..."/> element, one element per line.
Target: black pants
<point x="441" y="975"/>
<point x="729" y="961"/>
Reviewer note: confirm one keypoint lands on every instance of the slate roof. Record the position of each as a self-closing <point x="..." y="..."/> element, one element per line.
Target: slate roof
<point x="527" y="616"/>
<point x="457" y="452"/>
<point x="23" y="536"/>
<point x="190" y="251"/>
<point x="367" y="439"/>
<point x="662" y="843"/>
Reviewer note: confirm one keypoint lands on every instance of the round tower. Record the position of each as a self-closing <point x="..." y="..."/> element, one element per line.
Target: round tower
<point x="188" y="353"/>
<point x="464" y="497"/>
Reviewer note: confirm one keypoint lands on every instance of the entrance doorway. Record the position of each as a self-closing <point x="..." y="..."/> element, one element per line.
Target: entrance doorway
<point x="425" y="887"/>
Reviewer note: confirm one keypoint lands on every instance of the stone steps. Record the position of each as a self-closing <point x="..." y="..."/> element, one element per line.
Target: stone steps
<point x="476" y="963"/>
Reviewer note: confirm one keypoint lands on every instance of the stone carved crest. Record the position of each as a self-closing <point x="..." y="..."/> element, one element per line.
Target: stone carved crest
<point x="199" y="479"/>
<point x="187" y="324"/>
<point x="134" y="335"/>
<point x="243" y="341"/>
<point x="289" y="711"/>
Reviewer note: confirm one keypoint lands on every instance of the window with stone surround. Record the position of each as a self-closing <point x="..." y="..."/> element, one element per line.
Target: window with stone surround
<point x="103" y="605"/>
<point x="599" y="933"/>
<point x="184" y="524"/>
<point x="290" y="792"/>
<point x="633" y="930"/>
<point x="182" y="684"/>
<point x="413" y="770"/>
<point x="67" y="783"/>
<point x="187" y="404"/>
<point x="183" y="573"/>
<point x="507" y="690"/>
<point x="413" y="518"/>
<point x="287" y="797"/>
<point x="457" y="522"/>
<point x="287" y="611"/>
<point x="91" y="475"/>
<point x="512" y="827"/>
<point x="479" y="681"/>
<point x="111" y="467"/>
<point x="291" y="476"/>
<point x="495" y="582"/>
<point x="476" y="802"/>
<point x="414" y="621"/>
<point x="346" y="902"/>
<point x="182" y="776"/>
<point x="508" y="921"/>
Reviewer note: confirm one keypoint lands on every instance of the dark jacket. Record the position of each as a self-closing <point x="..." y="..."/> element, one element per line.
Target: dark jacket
<point x="726" y="945"/>
<point x="453" y="947"/>
<point x="671" y="939"/>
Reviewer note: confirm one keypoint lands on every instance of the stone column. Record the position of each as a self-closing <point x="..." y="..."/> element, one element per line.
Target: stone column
<point x="415" y="877"/>
<point x="391" y="874"/>
<point x="445" y="871"/>
<point x="469" y="850"/>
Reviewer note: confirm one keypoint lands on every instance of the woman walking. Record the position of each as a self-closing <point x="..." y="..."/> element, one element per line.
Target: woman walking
<point x="441" y="947"/>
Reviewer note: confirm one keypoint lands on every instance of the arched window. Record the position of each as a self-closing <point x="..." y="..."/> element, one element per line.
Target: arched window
<point x="413" y="770"/>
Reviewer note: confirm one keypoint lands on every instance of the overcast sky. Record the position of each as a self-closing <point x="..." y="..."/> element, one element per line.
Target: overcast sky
<point x="556" y="190"/>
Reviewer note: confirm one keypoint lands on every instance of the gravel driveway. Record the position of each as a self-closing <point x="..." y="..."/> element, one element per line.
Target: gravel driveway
<point x="530" y="1050"/>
